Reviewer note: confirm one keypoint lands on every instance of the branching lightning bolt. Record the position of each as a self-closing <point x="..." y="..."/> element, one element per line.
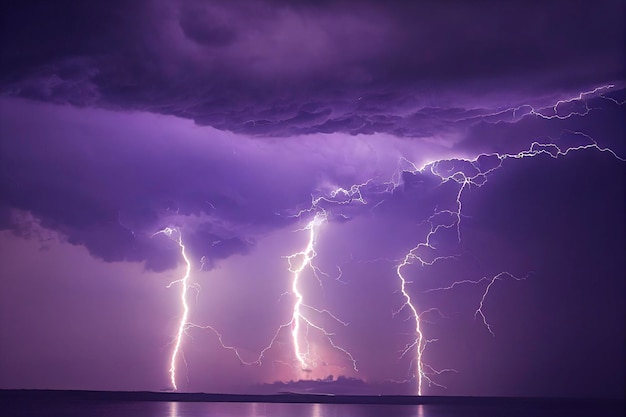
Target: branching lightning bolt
<point x="307" y="255"/>
<point x="184" y="323"/>
<point x="298" y="318"/>
<point x="551" y="111"/>
<point x="169" y="232"/>
<point x="465" y="173"/>
<point x="419" y="343"/>
<point x="474" y="175"/>
<point x="300" y="322"/>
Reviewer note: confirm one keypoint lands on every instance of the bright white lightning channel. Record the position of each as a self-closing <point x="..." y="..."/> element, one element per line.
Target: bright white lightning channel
<point x="296" y="320"/>
<point x="300" y="322"/>
<point x="298" y="262"/>
<point x="184" y="281"/>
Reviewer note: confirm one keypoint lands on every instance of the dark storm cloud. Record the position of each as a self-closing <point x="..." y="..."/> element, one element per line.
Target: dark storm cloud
<point x="205" y="28"/>
<point x="108" y="188"/>
<point x="342" y="93"/>
<point x="282" y="68"/>
<point x="109" y="181"/>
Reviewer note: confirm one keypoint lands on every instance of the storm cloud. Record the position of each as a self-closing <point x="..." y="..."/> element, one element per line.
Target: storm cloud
<point x="286" y="68"/>
<point x="464" y="159"/>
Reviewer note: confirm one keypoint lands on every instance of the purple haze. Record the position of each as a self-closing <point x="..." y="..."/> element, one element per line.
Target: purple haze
<point x="236" y="122"/>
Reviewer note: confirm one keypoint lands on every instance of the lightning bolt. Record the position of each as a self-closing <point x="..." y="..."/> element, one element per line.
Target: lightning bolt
<point x="299" y="318"/>
<point x="307" y="256"/>
<point x="184" y="323"/>
<point x="465" y="173"/>
<point x="418" y="344"/>
<point x="468" y="172"/>
<point x="184" y="281"/>
<point x="300" y="321"/>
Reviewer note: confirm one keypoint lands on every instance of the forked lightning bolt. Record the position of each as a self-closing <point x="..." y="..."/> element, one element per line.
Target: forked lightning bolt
<point x="184" y="281"/>
<point x="474" y="175"/>
<point x="300" y="321"/>
<point x="307" y="256"/>
<point x="298" y="262"/>
<point x="184" y="323"/>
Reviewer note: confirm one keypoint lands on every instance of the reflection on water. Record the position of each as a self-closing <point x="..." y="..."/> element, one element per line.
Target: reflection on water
<point x="173" y="409"/>
<point x="199" y="409"/>
<point x="189" y="409"/>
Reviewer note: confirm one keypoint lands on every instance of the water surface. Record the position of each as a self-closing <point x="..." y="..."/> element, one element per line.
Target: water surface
<point x="201" y="409"/>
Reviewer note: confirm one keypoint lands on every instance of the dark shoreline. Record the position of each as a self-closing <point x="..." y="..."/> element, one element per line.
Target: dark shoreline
<point x="80" y="395"/>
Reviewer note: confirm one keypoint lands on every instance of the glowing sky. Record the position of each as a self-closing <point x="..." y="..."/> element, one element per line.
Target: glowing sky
<point x="417" y="198"/>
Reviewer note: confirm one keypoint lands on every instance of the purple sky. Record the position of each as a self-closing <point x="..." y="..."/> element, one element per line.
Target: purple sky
<point x="235" y="123"/>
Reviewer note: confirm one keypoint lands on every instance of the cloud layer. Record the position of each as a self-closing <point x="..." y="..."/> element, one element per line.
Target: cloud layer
<point x="282" y="68"/>
<point x="419" y="131"/>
